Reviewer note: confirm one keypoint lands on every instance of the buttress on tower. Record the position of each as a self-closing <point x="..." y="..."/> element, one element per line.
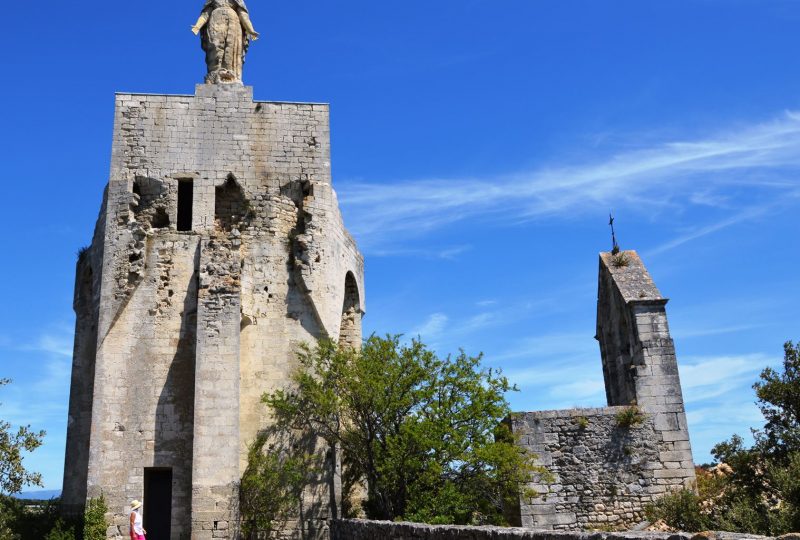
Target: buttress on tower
<point x="219" y="248"/>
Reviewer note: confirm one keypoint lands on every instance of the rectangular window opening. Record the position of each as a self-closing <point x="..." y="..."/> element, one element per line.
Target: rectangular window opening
<point x="185" y="199"/>
<point x="157" y="503"/>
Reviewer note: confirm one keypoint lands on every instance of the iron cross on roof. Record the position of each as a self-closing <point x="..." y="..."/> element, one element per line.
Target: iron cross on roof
<point x="614" y="246"/>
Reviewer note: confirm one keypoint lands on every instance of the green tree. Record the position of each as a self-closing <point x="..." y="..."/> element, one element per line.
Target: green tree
<point x="764" y="493"/>
<point x="779" y="400"/>
<point x="425" y="434"/>
<point x="13" y="475"/>
<point x="279" y="466"/>
<point x="761" y="492"/>
<point x="42" y="520"/>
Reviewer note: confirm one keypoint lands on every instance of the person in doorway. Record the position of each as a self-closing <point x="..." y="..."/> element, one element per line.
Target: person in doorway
<point x="137" y="531"/>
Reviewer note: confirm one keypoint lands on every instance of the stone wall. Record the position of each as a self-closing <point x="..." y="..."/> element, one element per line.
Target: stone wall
<point x="385" y="530"/>
<point x="220" y="249"/>
<point x="604" y="472"/>
<point x="86" y="304"/>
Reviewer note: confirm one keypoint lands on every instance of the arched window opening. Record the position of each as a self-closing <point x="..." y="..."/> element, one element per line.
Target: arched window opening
<point x="230" y="205"/>
<point x="350" y="329"/>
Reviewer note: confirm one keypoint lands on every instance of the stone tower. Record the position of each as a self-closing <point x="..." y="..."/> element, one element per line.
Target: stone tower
<point x="219" y="248"/>
<point x="609" y="462"/>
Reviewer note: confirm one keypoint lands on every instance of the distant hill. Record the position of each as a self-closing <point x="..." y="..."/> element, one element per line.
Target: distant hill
<point x="43" y="495"/>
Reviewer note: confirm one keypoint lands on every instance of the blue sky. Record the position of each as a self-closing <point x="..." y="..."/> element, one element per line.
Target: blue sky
<point x="478" y="146"/>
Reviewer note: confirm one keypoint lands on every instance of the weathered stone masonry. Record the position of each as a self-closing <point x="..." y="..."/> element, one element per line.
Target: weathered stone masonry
<point x="355" y="529"/>
<point x="219" y="248"/>
<point x="606" y="470"/>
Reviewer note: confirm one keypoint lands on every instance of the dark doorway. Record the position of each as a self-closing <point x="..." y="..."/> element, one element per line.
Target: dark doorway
<point x="157" y="511"/>
<point x="185" y="199"/>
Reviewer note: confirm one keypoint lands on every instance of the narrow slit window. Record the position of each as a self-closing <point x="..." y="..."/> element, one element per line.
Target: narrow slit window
<point x="185" y="196"/>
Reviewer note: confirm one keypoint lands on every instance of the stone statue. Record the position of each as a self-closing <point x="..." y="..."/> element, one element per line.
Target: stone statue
<point x="226" y="34"/>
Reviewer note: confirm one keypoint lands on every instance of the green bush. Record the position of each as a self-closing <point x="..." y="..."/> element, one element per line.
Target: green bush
<point x="7" y="514"/>
<point x="279" y="466"/>
<point x="36" y="521"/>
<point x="61" y="531"/>
<point x="681" y="510"/>
<point x="94" y="519"/>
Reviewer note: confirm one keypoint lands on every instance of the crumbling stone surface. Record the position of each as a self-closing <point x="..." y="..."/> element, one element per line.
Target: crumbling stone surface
<point x="605" y="471"/>
<point x="355" y="529"/>
<point x="180" y="332"/>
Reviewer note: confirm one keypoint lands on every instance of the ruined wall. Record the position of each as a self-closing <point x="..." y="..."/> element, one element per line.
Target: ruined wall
<point x="86" y="303"/>
<point x="145" y="377"/>
<point x="386" y="530"/>
<point x="627" y="292"/>
<point x="605" y="470"/>
<point x="221" y="249"/>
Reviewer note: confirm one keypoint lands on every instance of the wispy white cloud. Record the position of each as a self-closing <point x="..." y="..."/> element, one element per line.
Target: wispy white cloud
<point x="453" y="252"/>
<point x="705" y="331"/>
<point x="739" y="217"/>
<point x="555" y="371"/>
<point x="720" y="400"/>
<point x="667" y="175"/>
<point x="56" y="344"/>
<point x="56" y="339"/>
<point x="564" y="370"/>
<point x="40" y="367"/>
<point x="705" y="378"/>
<point x="734" y="413"/>
<point x="431" y="328"/>
<point x="40" y="389"/>
<point x="446" y="253"/>
<point x="579" y="390"/>
<point x="561" y="346"/>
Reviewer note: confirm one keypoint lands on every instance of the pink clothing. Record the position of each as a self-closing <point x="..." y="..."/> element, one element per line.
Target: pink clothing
<point x="139" y="537"/>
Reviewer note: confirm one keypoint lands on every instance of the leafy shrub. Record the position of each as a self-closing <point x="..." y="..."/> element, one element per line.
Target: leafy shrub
<point x="61" y="531"/>
<point x="681" y="510"/>
<point x="272" y="485"/>
<point x="7" y="513"/>
<point x="37" y="521"/>
<point x="582" y="422"/>
<point x="94" y="519"/>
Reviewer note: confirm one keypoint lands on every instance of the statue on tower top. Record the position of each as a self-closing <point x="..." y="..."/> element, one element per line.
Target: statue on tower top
<point x="225" y="33"/>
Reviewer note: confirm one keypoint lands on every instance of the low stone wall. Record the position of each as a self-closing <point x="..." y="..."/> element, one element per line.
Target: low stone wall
<point x="604" y="472"/>
<point x="356" y="529"/>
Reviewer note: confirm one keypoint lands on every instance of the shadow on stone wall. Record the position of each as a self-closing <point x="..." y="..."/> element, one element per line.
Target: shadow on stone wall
<point x="175" y="411"/>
